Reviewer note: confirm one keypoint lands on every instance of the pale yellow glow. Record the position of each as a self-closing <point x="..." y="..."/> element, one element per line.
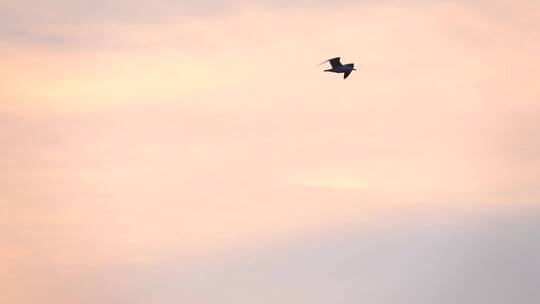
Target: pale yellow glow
<point x="337" y="182"/>
<point x="88" y="80"/>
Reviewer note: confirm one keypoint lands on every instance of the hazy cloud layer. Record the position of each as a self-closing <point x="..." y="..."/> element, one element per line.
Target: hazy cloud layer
<point x="79" y="21"/>
<point x="446" y="258"/>
<point x="195" y="153"/>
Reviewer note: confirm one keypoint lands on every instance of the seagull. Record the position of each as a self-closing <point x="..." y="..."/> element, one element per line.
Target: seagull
<point x="337" y="67"/>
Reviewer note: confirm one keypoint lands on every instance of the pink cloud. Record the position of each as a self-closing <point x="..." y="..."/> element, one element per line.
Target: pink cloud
<point x="207" y="135"/>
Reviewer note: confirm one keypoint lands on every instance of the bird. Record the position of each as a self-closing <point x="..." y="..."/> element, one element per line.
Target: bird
<point x="338" y="67"/>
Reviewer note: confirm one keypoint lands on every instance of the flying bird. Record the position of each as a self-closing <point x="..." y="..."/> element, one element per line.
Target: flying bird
<point x="337" y="67"/>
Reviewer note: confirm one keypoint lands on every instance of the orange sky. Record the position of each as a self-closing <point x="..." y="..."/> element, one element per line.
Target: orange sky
<point x="138" y="134"/>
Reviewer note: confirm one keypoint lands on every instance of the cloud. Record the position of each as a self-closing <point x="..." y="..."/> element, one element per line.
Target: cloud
<point x="28" y="22"/>
<point x="128" y="143"/>
<point x="439" y="256"/>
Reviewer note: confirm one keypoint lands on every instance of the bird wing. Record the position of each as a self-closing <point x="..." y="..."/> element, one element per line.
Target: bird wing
<point x="335" y="62"/>
<point x="347" y="74"/>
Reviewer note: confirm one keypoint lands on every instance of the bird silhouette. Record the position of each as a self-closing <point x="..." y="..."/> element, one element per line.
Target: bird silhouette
<point x="338" y="67"/>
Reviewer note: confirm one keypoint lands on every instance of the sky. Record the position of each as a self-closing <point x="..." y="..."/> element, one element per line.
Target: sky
<point x="193" y="152"/>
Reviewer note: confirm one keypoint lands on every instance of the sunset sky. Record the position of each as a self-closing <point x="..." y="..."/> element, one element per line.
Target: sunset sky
<point x="193" y="152"/>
